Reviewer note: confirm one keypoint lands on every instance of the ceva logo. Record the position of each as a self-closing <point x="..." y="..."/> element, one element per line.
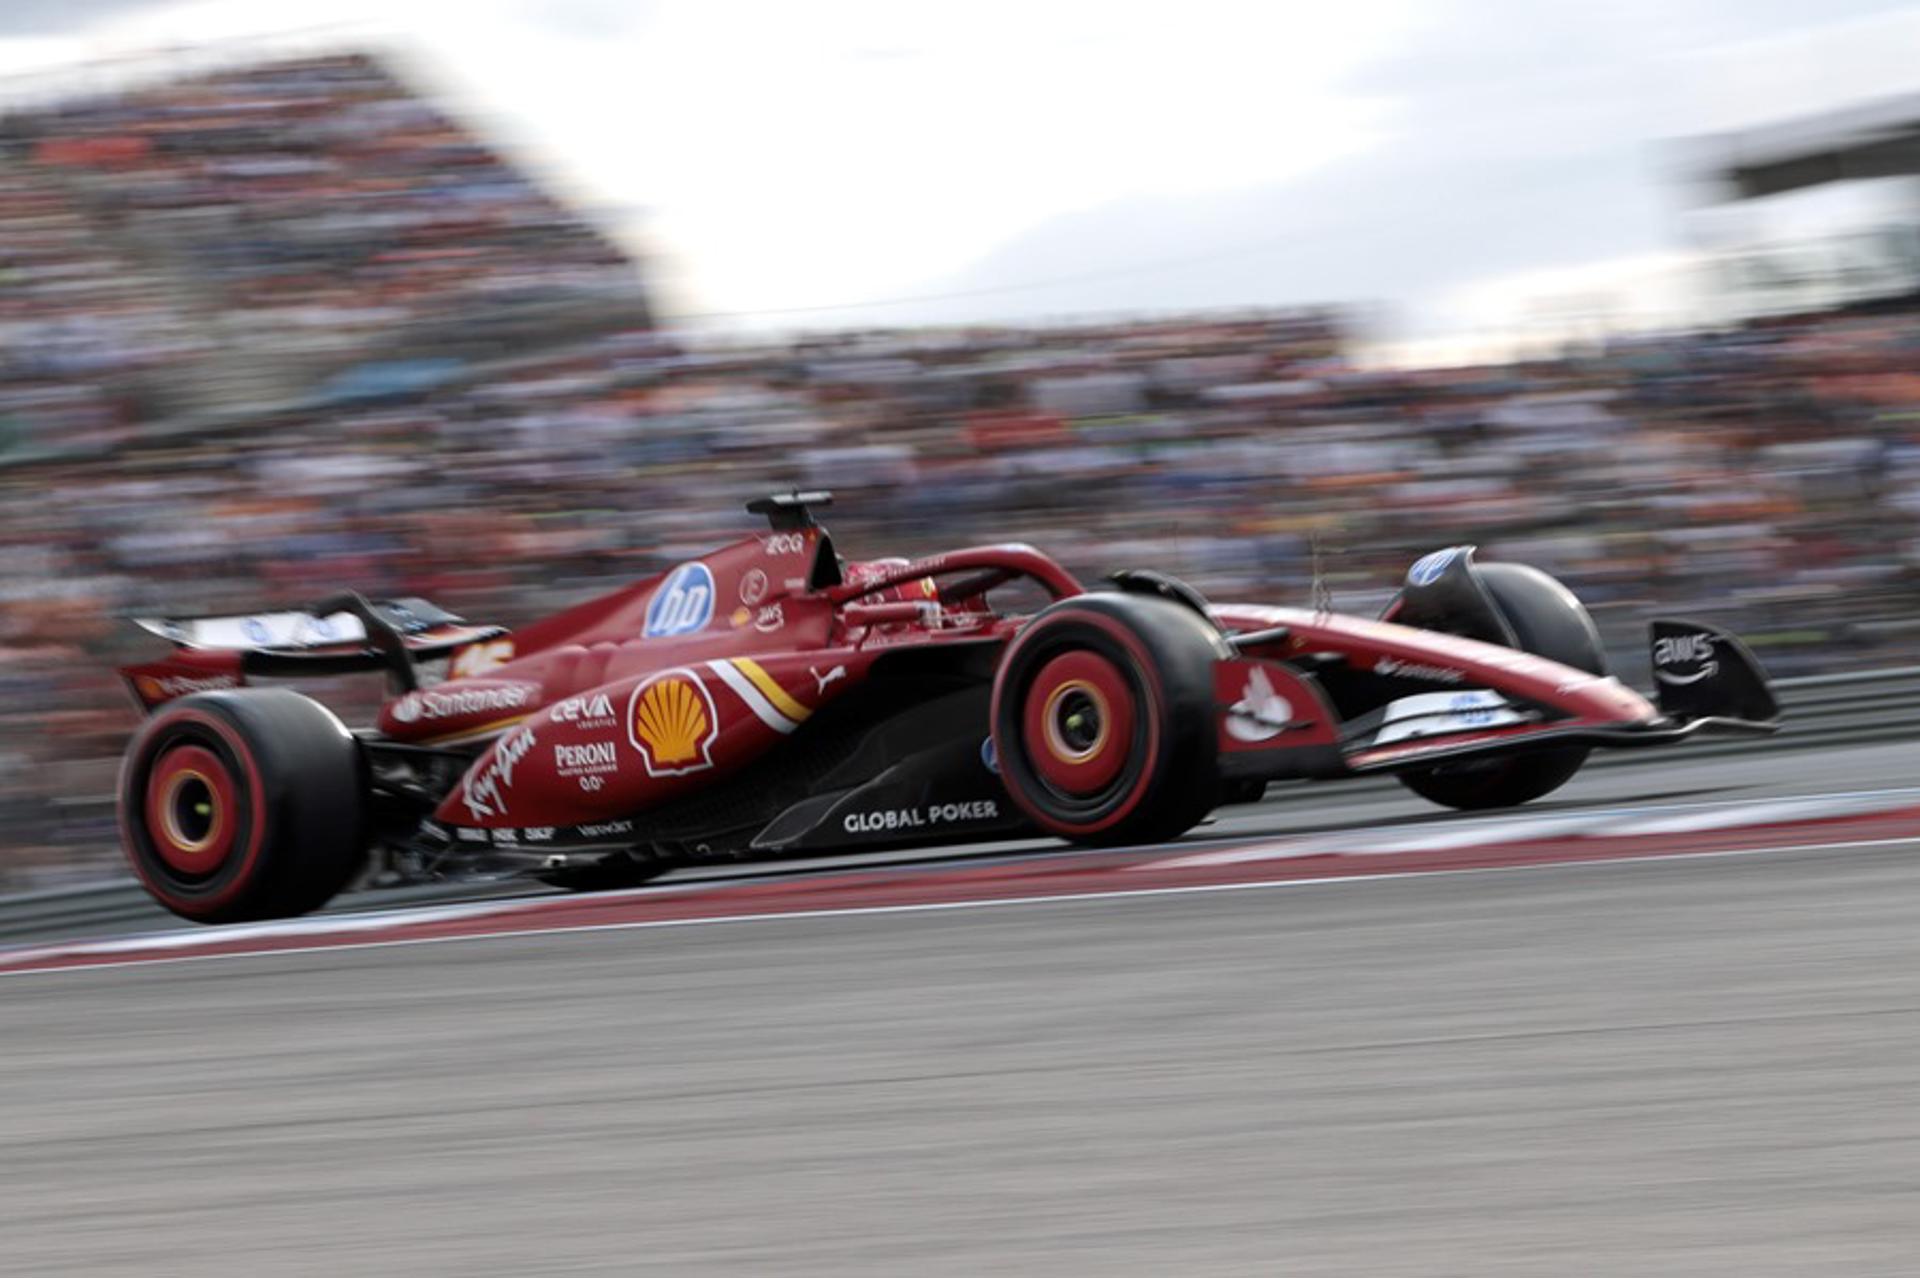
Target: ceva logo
<point x="681" y="604"/>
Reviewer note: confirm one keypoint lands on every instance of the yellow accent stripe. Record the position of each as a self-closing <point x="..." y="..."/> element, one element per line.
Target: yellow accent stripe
<point x="770" y="688"/>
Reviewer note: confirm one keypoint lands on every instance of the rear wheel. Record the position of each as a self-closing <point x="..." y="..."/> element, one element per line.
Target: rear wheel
<point x="1548" y="621"/>
<point x="243" y="805"/>
<point x="1103" y="719"/>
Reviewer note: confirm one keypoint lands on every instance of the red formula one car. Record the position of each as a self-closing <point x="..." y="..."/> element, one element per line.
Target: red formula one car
<point x="772" y="698"/>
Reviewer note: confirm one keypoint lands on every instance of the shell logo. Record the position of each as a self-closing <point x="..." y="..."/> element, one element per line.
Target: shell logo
<point x="672" y="723"/>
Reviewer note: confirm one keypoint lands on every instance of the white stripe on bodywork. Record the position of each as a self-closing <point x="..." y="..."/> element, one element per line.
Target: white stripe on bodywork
<point x="755" y="699"/>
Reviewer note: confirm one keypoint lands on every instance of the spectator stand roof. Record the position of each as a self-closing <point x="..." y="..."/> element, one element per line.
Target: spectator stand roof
<point x="1876" y="139"/>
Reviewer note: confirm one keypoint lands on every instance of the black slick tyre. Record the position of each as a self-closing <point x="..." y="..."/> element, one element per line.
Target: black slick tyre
<point x="1548" y="621"/>
<point x="1103" y="719"/>
<point x="241" y="805"/>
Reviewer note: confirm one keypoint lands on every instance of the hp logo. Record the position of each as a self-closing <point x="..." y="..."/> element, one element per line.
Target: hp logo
<point x="682" y="604"/>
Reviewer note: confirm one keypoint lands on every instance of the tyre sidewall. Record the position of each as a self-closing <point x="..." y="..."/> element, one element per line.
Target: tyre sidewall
<point x="191" y="722"/>
<point x="300" y="784"/>
<point x="1165" y="654"/>
<point x="1549" y="621"/>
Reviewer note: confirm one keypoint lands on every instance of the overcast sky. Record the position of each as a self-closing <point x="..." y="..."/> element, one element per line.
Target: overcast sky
<point x="1455" y="160"/>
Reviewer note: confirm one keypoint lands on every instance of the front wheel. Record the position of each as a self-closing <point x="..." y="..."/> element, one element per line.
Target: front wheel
<point x="243" y="805"/>
<point x="1103" y="719"/>
<point x="1482" y="784"/>
<point x="1548" y="621"/>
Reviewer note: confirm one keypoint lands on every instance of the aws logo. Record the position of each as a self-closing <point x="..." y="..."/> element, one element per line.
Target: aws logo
<point x="1670" y="651"/>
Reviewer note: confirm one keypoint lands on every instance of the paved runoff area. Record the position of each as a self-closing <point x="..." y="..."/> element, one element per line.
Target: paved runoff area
<point x="1682" y="1066"/>
<point x="1666" y="1025"/>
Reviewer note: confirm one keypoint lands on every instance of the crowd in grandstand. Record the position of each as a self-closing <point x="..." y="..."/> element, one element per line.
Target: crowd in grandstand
<point x="197" y="236"/>
<point x="1768" y="478"/>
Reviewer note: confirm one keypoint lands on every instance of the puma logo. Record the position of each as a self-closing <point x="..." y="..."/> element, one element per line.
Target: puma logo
<point x="823" y="680"/>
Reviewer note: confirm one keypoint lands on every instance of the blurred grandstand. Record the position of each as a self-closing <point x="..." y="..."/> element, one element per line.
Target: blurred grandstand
<point x="275" y="330"/>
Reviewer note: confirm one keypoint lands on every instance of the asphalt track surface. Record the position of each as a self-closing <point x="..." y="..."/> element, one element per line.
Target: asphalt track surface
<point x="1687" y="1066"/>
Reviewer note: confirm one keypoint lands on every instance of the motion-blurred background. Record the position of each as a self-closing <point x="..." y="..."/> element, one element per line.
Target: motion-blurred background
<point x="496" y="303"/>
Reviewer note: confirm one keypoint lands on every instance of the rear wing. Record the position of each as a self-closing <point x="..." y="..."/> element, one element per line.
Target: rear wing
<point x="340" y="635"/>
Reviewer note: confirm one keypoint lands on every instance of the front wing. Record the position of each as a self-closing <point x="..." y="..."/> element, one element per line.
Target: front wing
<point x="1463" y="699"/>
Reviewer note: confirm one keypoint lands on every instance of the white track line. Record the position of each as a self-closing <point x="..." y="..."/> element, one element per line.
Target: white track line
<point x="1811" y="807"/>
<point x="1377" y="843"/>
<point x="313" y="925"/>
<point x="1591" y="823"/>
<point x="984" y="903"/>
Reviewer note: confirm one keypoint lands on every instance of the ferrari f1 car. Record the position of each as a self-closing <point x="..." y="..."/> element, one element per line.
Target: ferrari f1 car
<point x="772" y="698"/>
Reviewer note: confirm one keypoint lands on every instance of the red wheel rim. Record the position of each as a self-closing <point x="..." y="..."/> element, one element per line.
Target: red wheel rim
<point x="1077" y="723"/>
<point x="192" y="810"/>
